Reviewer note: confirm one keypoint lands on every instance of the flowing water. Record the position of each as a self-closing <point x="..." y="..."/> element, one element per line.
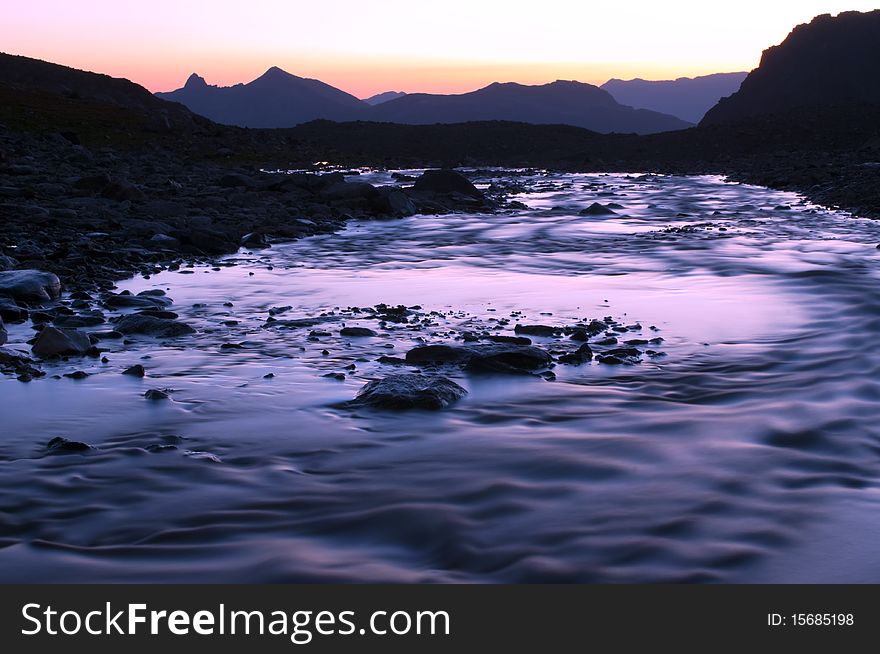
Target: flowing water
<point x="746" y="448"/>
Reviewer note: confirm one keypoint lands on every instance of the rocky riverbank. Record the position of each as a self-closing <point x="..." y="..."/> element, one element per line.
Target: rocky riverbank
<point x="93" y="216"/>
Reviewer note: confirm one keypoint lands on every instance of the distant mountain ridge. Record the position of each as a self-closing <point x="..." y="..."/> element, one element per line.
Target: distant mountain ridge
<point x="688" y="98"/>
<point x="379" y="98"/>
<point x="560" y="102"/>
<point x="831" y="61"/>
<point x="279" y="99"/>
<point x="275" y="99"/>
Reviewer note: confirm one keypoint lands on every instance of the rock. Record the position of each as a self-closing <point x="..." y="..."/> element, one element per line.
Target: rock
<point x="410" y="391"/>
<point x="155" y="394"/>
<point x="126" y="300"/>
<point x="254" y="240"/>
<point x="82" y="320"/>
<point x="338" y="376"/>
<point x="597" y="209"/>
<point x="30" y="285"/>
<point x="620" y="356"/>
<point x="356" y="331"/>
<point x="53" y="342"/>
<point x="537" y="330"/>
<point x="4" y="335"/>
<point x="165" y="241"/>
<point x="122" y="191"/>
<point x="136" y="370"/>
<point x="497" y="357"/>
<point x="394" y="202"/>
<point x="446" y="181"/>
<point x="11" y="312"/>
<point x="150" y="326"/>
<point x="583" y="354"/>
<point x="77" y="374"/>
<point x="60" y="445"/>
<point x="236" y="180"/>
<point x="341" y="191"/>
<point x="516" y="340"/>
<point x="7" y="263"/>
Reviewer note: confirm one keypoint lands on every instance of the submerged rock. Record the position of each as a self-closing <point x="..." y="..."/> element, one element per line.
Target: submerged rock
<point x="356" y="331"/>
<point x="156" y="395"/>
<point x="136" y="370"/>
<point x="410" y="391"/>
<point x="582" y="355"/>
<point x="597" y="209"/>
<point x="30" y="285"/>
<point x="496" y="357"/>
<point x="53" y="342"/>
<point x="537" y="330"/>
<point x="151" y="326"/>
<point x="60" y="445"/>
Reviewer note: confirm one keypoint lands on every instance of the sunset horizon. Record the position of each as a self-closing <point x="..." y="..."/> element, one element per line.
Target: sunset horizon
<point x="228" y="44"/>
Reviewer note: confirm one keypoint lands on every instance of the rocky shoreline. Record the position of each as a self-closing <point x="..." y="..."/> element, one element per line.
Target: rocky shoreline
<point x="93" y="216"/>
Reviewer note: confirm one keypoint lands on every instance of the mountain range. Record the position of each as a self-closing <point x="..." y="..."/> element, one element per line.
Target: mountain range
<point x="279" y="99"/>
<point x="688" y="98"/>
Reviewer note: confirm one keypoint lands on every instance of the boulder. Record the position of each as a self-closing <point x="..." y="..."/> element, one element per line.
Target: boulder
<point x="33" y="286"/>
<point x="495" y="357"/>
<point x="11" y="312"/>
<point x="164" y="241"/>
<point x="348" y="191"/>
<point x="52" y="342"/>
<point x="410" y="391"/>
<point x="236" y="180"/>
<point x="7" y="263"/>
<point x="394" y="202"/>
<point x="254" y="240"/>
<point x="151" y="326"/>
<point x="446" y="181"/>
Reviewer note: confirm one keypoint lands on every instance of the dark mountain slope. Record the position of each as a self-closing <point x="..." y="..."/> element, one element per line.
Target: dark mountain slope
<point x="831" y="61"/>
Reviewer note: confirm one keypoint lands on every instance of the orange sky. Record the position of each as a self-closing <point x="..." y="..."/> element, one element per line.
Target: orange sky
<point x="366" y="48"/>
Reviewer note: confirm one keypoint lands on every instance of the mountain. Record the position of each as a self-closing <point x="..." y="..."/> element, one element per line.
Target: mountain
<point x="384" y="97"/>
<point x="688" y="98"/>
<point x="829" y="62"/>
<point x="560" y="102"/>
<point x="275" y="99"/>
<point x="34" y="75"/>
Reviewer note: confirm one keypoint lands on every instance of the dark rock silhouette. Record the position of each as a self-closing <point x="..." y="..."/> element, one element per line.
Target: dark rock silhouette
<point x="688" y="98"/>
<point x="829" y="62"/>
<point x="275" y="99"/>
<point x="561" y="102"/>
<point x="379" y="98"/>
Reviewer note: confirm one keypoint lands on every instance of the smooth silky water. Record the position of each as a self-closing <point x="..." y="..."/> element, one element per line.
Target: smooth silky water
<point x="749" y="451"/>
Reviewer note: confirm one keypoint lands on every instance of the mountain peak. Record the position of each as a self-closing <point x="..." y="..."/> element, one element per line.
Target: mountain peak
<point x="276" y="73"/>
<point x="195" y="80"/>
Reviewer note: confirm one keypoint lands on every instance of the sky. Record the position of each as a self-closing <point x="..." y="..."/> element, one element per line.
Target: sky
<point x="437" y="46"/>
